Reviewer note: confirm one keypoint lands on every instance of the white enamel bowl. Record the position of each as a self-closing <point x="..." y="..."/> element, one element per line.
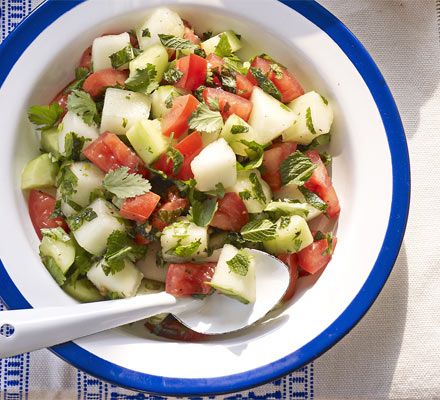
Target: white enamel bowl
<point x="370" y="173"/>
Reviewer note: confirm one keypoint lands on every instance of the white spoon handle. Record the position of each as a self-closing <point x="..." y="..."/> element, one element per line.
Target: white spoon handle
<point x="44" y="327"/>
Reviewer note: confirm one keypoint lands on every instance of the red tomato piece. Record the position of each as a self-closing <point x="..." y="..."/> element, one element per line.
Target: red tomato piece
<point x="288" y="86"/>
<point x="291" y="260"/>
<point x="174" y="203"/>
<point x="171" y="328"/>
<point x="229" y="103"/>
<point x="189" y="34"/>
<point x="96" y="83"/>
<point x="40" y="207"/>
<point x="190" y="147"/>
<point x="194" y="70"/>
<point x="139" y="239"/>
<point x="311" y="258"/>
<point x="186" y="279"/>
<point x="272" y="159"/>
<point x="108" y="152"/>
<point x="244" y="86"/>
<point x="321" y="184"/>
<point x="176" y="121"/>
<point x="215" y="62"/>
<point x="231" y="214"/>
<point x="86" y="58"/>
<point x="139" y="208"/>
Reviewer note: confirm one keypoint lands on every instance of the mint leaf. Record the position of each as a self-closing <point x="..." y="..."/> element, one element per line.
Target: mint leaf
<point x="75" y="221"/>
<point x="329" y="236"/>
<point x="236" y="129"/>
<point x="143" y="80"/>
<point x="176" y="43"/>
<point x="325" y="158"/>
<point x="223" y="48"/>
<point x="58" y="234"/>
<point x="296" y="168"/>
<point x="259" y="231"/>
<point x="82" y="104"/>
<point x="257" y="188"/>
<point x="309" y="121"/>
<point x="313" y="199"/>
<point x="122" y="57"/>
<point x="239" y="264"/>
<point x="202" y="212"/>
<point x="45" y="117"/>
<point x="205" y="120"/>
<point x="146" y="33"/>
<point x="236" y="64"/>
<point x="255" y="153"/>
<point x="265" y="83"/>
<point x="320" y="140"/>
<point x="185" y="250"/>
<point x="73" y="145"/>
<point x="219" y="191"/>
<point x="80" y="76"/>
<point x="123" y="184"/>
<point x="172" y="75"/>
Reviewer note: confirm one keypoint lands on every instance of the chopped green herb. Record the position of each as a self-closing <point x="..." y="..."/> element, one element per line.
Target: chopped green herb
<point x="122" y="57"/>
<point x="202" y="212"/>
<point x="123" y="184"/>
<point x="296" y="168"/>
<point x="259" y="231"/>
<point x="205" y="120"/>
<point x="82" y="104"/>
<point x="146" y="33"/>
<point x="45" y="117"/>
<point x="277" y="69"/>
<point x="265" y="83"/>
<point x="81" y="74"/>
<point x="219" y="191"/>
<point x="176" y="157"/>
<point x="58" y="234"/>
<point x="325" y="101"/>
<point x="73" y="146"/>
<point x="176" y="43"/>
<point x="124" y="122"/>
<point x="284" y="107"/>
<point x="245" y="194"/>
<point x="309" y="121"/>
<point x="185" y="250"/>
<point x="206" y="35"/>
<point x="326" y="158"/>
<point x="143" y="80"/>
<point x="75" y="221"/>
<point x="172" y="75"/>
<point x="257" y="188"/>
<point x="239" y="264"/>
<point x="236" y="129"/>
<point x="223" y="48"/>
<point x="313" y="199"/>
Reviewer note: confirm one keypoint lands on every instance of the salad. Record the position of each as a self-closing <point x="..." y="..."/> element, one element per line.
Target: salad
<point x="166" y="157"/>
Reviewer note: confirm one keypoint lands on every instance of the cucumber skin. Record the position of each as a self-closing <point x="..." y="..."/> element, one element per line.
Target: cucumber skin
<point x="83" y="290"/>
<point x="63" y="253"/>
<point x="49" y="141"/>
<point x="39" y="173"/>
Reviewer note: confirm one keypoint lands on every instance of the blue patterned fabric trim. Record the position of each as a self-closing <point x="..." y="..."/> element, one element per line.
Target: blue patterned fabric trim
<point x="12" y="12"/>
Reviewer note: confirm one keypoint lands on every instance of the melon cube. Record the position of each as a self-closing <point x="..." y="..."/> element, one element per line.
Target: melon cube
<point x="103" y="47"/>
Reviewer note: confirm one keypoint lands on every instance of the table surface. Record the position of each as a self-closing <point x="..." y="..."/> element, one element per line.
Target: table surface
<point x="394" y="352"/>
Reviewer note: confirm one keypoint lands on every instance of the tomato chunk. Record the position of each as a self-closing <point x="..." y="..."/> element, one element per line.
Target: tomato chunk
<point x="288" y="86"/>
<point x="108" y="152"/>
<point x="139" y="208"/>
<point x="272" y="159"/>
<point x="312" y="259"/>
<point x="174" y="206"/>
<point x="189" y="147"/>
<point x="186" y="279"/>
<point x="41" y="206"/>
<point x="229" y="103"/>
<point x="96" y="83"/>
<point x="86" y="59"/>
<point x="321" y="184"/>
<point x="171" y="328"/>
<point x="194" y="70"/>
<point x="176" y="121"/>
<point x="189" y="34"/>
<point x="231" y="214"/>
<point x="291" y="260"/>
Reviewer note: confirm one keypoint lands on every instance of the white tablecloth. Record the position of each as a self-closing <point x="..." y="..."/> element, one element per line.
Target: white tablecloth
<point x="394" y="352"/>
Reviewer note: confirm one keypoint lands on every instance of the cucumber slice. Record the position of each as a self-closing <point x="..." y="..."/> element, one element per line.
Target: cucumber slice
<point x="184" y="241"/>
<point x="39" y="173"/>
<point x="235" y="123"/>
<point x="83" y="290"/>
<point x="92" y="235"/>
<point x="124" y="283"/>
<point x="147" y="140"/>
<point x="149" y="286"/>
<point x="293" y="234"/>
<point x="291" y="192"/>
<point x="210" y="45"/>
<point x="314" y="117"/>
<point x="253" y="190"/>
<point x="123" y="109"/>
<point x="149" y="265"/>
<point x="156" y="55"/>
<point x="104" y="46"/>
<point x="49" y="141"/>
<point x="163" y="21"/>
<point x="215" y="164"/>
<point x="63" y="253"/>
<point x="269" y="117"/>
<point x="242" y="288"/>
<point x="159" y="98"/>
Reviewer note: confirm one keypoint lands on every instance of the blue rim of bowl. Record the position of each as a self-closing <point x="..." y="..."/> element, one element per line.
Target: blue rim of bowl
<point x="47" y="13"/>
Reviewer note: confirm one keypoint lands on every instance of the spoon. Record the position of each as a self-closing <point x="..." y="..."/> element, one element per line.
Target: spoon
<point x="36" y="328"/>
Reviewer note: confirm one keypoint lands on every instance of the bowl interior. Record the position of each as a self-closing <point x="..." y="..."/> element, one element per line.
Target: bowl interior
<point x="364" y="186"/>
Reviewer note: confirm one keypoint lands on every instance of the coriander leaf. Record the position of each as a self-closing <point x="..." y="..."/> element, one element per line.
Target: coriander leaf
<point x="169" y="216"/>
<point x="245" y="194"/>
<point x="296" y="168"/>
<point x="82" y="263"/>
<point x="172" y="75"/>
<point x="285" y="221"/>
<point x="185" y="250"/>
<point x="277" y="69"/>
<point x="82" y="104"/>
<point x="229" y="83"/>
<point x="255" y="153"/>
<point x="202" y="213"/>
<point x="214" y="103"/>
<point x="67" y="182"/>
<point x="205" y="120"/>
<point x="309" y="121"/>
<point x="233" y="62"/>
<point x="329" y="236"/>
<point x="123" y="184"/>
<point x="200" y="52"/>
<point x="313" y="199"/>
<point x="45" y="116"/>
<point x="206" y="35"/>
<point x="259" y="231"/>
<point x="223" y="48"/>
<point x="265" y="83"/>
<point x="56" y="210"/>
<point x="198" y="93"/>
<point x="219" y="191"/>
<point x="257" y="188"/>
<point x="239" y="264"/>
<point x="176" y="157"/>
<point x="122" y="57"/>
<point x="176" y="43"/>
<point x="73" y="145"/>
<point x="146" y="33"/>
<point x="143" y="80"/>
<point x="75" y="221"/>
<point x="236" y="129"/>
<point x="80" y="76"/>
<point x="58" y="234"/>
